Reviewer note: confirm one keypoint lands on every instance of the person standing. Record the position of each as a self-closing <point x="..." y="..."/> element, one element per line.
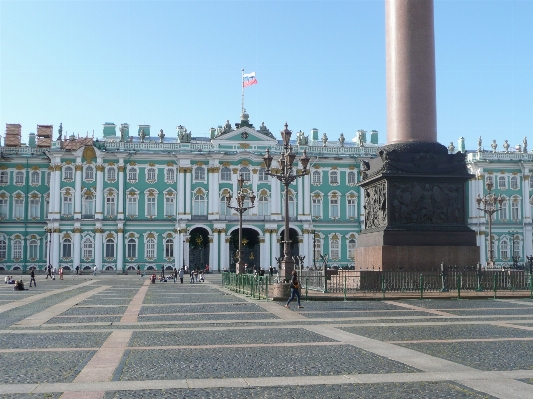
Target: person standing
<point x="175" y="275"/>
<point x="192" y="276"/>
<point x="49" y="272"/>
<point x="295" y="289"/>
<point x="271" y="271"/>
<point x="77" y="269"/>
<point x="94" y="270"/>
<point x="32" y="278"/>
<point x="61" y="273"/>
<point x="181" y="275"/>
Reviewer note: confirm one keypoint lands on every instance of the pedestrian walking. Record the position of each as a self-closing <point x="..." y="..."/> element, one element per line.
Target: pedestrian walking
<point x="77" y="269"/>
<point x="138" y="270"/>
<point x="61" y="273"/>
<point x="32" y="278"/>
<point x="175" y="275"/>
<point x="181" y="275"/>
<point x="94" y="270"/>
<point x="295" y="289"/>
<point x="49" y="272"/>
<point x="271" y="271"/>
<point x="192" y="277"/>
<point x="196" y="275"/>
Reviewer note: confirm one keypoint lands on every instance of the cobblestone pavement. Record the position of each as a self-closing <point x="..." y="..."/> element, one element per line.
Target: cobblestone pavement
<point x="120" y="337"/>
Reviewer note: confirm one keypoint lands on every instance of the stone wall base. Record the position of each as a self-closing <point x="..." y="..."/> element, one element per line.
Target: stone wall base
<point x="412" y="257"/>
<point x="279" y="291"/>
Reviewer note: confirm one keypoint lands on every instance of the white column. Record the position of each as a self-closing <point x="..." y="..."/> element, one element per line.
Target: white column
<point x="307" y="196"/>
<point x="186" y="252"/>
<point x="274" y="249"/>
<point x="188" y="193"/>
<point x="57" y="192"/>
<point x="213" y="193"/>
<point x="121" y="191"/>
<point x="528" y="244"/>
<point x="181" y="193"/>
<point x="76" y="258"/>
<point x="275" y="199"/>
<point x="216" y="250"/>
<point x="267" y="250"/>
<point x="305" y="250"/>
<point x="300" y="197"/>
<point x="51" y="194"/>
<point x="56" y="247"/>
<point x="212" y="250"/>
<point x="482" y="246"/>
<point x="98" y="248"/>
<point x="177" y="264"/>
<point x="120" y="249"/>
<point x="262" y="257"/>
<point x="99" y="192"/>
<point x="224" y="246"/>
<point x="179" y="254"/>
<point x="77" y="194"/>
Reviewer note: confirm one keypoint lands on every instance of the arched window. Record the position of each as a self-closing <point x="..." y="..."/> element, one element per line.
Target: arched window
<point x="503" y="210"/>
<point x="264" y="205"/>
<point x="66" y="248"/>
<point x="150" y="249"/>
<point x="87" y="247"/>
<point x="199" y="205"/>
<point x="18" y="208"/>
<point x="110" y="205"/>
<point x="68" y="173"/>
<point x="318" y="247"/>
<point x="170" y="205"/>
<point x="4" y="200"/>
<point x="19" y="177"/>
<point x="333" y="177"/>
<point x="3" y="247"/>
<point x="262" y="174"/>
<point x="351" y="177"/>
<point x="132" y="173"/>
<point x="224" y="210"/>
<point x="245" y="173"/>
<point x="133" y="209"/>
<point x="514" y="183"/>
<point x="515" y="210"/>
<point x="317" y="177"/>
<point x="151" y="208"/>
<point x="35" y="178"/>
<point x="292" y="206"/>
<point x="225" y="174"/>
<point x="89" y="173"/>
<point x="33" y="249"/>
<point x="199" y="173"/>
<point x="132" y="248"/>
<point x="317" y="207"/>
<point x="111" y="174"/>
<point x="4" y="177"/>
<point x="151" y="174"/>
<point x="17" y="249"/>
<point x="35" y="205"/>
<point x="351" y="248"/>
<point x="169" y="248"/>
<point x="109" y="248"/>
<point x="171" y="175"/>
<point x="88" y="206"/>
<point x="48" y="174"/>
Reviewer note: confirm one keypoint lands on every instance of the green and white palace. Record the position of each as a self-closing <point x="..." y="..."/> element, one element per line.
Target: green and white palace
<point x="142" y="197"/>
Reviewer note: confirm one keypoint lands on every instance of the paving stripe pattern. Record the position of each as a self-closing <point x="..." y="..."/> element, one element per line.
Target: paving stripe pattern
<point x="400" y="337"/>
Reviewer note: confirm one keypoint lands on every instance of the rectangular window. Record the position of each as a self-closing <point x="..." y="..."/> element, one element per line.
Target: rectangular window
<point x="67" y="249"/>
<point x="110" y="207"/>
<point x="317" y="207"/>
<point x="4" y="177"/>
<point x="504" y="252"/>
<point x="110" y="249"/>
<point x="335" y="249"/>
<point x="67" y="205"/>
<point x="17" y="249"/>
<point x="87" y="249"/>
<point x="170" y="209"/>
<point x="351" y="211"/>
<point x="503" y="211"/>
<point x="46" y="207"/>
<point x="3" y="208"/>
<point x="18" y="208"/>
<point x="34" y="250"/>
<point x="514" y="210"/>
<point x="132" y="248"/>
<point x="35" y="208"/>
<point x="150" y="249"/>
<point x="334" y="208"/>
<point x="132" y="206"/>
<point x="150" y="207"/>
<point x="88" y="207"/>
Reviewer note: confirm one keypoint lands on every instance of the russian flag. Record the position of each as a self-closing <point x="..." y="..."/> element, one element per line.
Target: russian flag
<point x="248" y="79"/>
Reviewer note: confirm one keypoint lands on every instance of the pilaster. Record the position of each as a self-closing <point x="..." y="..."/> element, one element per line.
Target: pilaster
<point x="77" y="195"/>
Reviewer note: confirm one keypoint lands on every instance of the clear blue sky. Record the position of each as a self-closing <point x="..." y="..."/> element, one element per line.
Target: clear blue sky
<point x="318" y="63"/>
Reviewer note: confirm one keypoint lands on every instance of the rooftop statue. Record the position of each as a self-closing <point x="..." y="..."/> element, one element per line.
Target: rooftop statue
<point x="479" y="144"/>
<point x="494" y="146"/>
<point x="524" y="148"/>
<point x="301" y="139"/>
<point x="161" y="135"/>
<point x="341" y="140"/>
<point x="142" y="135"/>
<point x="60" y="132"/>
<point x="451" y="148"/>
<point x="324" y="140"/>
<point x="506" y="146"/>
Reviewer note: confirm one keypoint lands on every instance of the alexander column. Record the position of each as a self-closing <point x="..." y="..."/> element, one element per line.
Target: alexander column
<point x="414" y="191"/>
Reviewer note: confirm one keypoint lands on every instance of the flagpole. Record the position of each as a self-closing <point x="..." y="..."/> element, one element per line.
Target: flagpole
<point x="242" y="87"/>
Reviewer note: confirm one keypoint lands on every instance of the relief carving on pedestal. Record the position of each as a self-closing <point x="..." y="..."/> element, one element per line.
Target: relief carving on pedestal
<point x="376" y="206"/>
<point x="426" y="203"/>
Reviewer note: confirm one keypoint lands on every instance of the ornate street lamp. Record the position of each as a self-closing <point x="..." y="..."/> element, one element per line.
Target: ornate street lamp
<point x="515" y="258"/>
<point x="491" y="205"/>
<point x="286" y="176"/>
<point x="240" y="208"/>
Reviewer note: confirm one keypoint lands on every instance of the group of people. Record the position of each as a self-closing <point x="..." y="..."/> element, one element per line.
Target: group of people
<point x="195" y="275"/>
<point x="52" y="271"/>
<point x="19" y="284"/>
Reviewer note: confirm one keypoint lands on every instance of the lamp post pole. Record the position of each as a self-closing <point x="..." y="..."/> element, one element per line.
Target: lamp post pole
<point x="240" y="208"/>
<point x="515" y="258"/>
<point x="286" y="175"/>
<point x="491" y="205"/>
<point x="313" y="232"/>
<point x="184" y="241"/>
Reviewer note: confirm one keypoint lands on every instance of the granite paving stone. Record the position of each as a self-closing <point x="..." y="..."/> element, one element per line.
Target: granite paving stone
<point x="499" y="355"/>
<point x="424" y="390"/>
<point x="85" y="319"/>
<point x="96" y="310"/>
<point x="203" y="316"/>
<point x="254" y="362"/>
<point x="333" y="314"/>
<point x="444" y="304"/>
<point x="438" y="332"/>
<point x="53" y="340"/>
<point x="40" y="367"/>
<point x="485" y="312"/>
<point x="201" y="308"/>
<point x="226" y="337"/>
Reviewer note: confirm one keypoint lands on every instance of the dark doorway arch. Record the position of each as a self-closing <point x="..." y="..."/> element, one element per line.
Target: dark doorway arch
<point x="250" y="249"/>
<point x="198" y="248"/>
<point x="293" y="238"/>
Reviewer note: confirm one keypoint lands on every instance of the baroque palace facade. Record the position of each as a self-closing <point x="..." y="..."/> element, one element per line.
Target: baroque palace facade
<point x="134" y="198"/>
